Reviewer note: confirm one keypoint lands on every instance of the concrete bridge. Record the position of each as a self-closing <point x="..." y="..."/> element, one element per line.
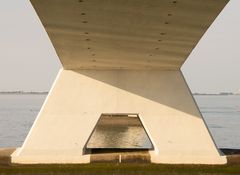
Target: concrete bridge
<point x="122" y="56"/>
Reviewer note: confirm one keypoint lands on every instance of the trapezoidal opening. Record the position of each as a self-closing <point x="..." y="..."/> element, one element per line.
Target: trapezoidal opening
<point x="119" y="133"/>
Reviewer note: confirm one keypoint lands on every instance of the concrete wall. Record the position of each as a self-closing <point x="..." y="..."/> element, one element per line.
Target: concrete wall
<point x="78" y="98"/>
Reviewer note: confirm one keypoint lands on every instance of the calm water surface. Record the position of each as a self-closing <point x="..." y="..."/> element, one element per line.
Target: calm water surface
<point x="17" y="113"/>
<point x="221" y="113"/>
<point x="119" y="131"/>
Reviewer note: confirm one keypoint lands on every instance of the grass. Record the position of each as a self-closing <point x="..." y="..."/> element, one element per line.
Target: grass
<point x="120" y="169"/>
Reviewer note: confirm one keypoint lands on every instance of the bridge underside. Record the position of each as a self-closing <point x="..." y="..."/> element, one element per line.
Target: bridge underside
<point x="122" y="57"/>
<point x="126" y="34"/>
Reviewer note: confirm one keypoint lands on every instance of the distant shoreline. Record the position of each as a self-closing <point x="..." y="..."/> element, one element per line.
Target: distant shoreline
<point x="219" y="94"/>
<point x="45" y="93"/>
<point x="22" y="93"/>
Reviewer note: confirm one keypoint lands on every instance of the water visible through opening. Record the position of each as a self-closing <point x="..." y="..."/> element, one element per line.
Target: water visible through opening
<point x="119" y="131"/>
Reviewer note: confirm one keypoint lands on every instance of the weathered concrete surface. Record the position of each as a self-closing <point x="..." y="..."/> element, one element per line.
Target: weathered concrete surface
<point x="233" y="156"/>
<point x="146" y="34"/>
<point x="5" y="153"/>
<point x="119" y="120"/>
<point x="121" y="157"/>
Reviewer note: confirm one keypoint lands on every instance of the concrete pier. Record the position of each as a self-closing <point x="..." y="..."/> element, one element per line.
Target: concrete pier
<point x="122" y="56"/>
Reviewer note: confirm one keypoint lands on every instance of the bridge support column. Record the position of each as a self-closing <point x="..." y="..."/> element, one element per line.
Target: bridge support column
<point x="160" y="98"/>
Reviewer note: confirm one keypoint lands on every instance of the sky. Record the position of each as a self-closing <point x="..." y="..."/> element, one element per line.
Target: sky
<point x="28" y="61"/>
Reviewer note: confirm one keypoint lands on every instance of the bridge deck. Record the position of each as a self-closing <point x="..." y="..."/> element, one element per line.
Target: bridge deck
<point x="124" y="34"/>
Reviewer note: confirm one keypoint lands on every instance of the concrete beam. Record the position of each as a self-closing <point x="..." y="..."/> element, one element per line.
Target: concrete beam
<point x="126" y="34"/>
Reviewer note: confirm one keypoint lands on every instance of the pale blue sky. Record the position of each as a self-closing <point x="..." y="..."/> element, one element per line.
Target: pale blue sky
<point x="28" y="61"/>
<point x="214" y="65"/>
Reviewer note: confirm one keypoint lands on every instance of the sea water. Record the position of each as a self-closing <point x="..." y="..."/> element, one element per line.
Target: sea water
<point x="221" y="113"/>
<point x="17" y="114"/>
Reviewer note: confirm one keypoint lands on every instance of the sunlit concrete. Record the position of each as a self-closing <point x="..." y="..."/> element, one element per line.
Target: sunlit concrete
<point x="126" y="34"/>
<point x="161" y="98"/>
<point x="122" y="57"/>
